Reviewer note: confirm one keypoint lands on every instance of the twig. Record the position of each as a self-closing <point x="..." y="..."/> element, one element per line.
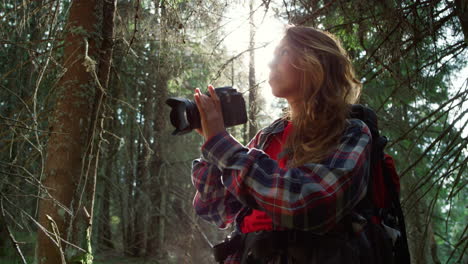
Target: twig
<point x="57" y="237"/>
<point x="42" y="228"/>
<point x="137" y="8"/>
<point x="12" y="238"/>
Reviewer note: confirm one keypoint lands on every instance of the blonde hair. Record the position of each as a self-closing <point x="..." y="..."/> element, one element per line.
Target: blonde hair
<point x="328" y="86"/>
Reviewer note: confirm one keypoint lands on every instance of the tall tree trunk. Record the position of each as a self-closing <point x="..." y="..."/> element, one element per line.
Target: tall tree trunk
<point x="141" y="195"/>
<point x="67" y="146"/>
<point x="418" y="240"/>
<point x="66" y="211"/>
<point x="253" y="88"/>
<point x="157" y="182"/>
<point x="104" y="238"/>
<point x="162" y="213"/>
<point x="434" y="255"/>
<point x="135" y="194"/>
<point x="107" y="47"/>
<point x="415" y="211"/>
<point x="108" y="14"/>
<point x="105" y="235"/>
<point x="128" y="200"/>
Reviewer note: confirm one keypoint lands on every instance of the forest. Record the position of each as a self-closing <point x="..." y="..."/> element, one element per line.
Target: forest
<point x="90" y="172"/>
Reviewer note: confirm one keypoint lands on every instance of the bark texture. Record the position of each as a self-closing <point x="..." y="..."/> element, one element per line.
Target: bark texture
<point x="66" y="210"/>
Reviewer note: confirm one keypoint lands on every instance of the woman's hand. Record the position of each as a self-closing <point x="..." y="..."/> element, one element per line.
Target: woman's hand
<point x="211" y="114"/>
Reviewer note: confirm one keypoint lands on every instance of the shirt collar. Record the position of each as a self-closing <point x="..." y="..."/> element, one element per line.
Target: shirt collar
<point x="276" y="127"/>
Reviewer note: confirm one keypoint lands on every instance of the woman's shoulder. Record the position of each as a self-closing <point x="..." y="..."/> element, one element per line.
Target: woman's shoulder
<point x="355" y="122"/>
<point x="275" y="127"/>
<point x="356" y="126"/>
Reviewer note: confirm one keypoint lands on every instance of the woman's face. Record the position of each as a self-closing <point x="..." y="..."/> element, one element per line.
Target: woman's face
<point x="284" y="78"/>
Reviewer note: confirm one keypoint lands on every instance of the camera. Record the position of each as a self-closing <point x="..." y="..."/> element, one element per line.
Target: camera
<point x="185" y="116"/>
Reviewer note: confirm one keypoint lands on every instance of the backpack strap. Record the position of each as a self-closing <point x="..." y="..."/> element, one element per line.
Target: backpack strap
<point x="369" y="117"/>
<point x="403" y="255"/>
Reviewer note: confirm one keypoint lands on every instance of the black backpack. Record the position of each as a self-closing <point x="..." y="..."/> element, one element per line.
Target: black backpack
<point x="383" y="240"/>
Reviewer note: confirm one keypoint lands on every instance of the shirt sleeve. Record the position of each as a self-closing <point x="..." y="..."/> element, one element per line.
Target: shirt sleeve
<point x="213" y="202"/>
<point x="313" y="197"/>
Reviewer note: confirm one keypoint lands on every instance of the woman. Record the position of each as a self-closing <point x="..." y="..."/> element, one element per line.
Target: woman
<point x="292" y="188"/>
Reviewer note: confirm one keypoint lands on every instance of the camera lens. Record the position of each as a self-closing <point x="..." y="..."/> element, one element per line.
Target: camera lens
<point x="185" y="116"/>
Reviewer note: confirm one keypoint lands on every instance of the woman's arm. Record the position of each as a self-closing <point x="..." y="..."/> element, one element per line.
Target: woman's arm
<point x="312" y="197"/>
<point x="212" y="201"/>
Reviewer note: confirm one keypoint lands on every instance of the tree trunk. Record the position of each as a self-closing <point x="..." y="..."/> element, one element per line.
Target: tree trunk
<point x="415" y="218"/>
<point x="434" y="255"/>
<point x="104" y="240"/>
<point x="141" y="194"/>
<point x="162" y="213"/>
<point x="156" y="223"/>
<point x="108" y="13"/>
<point x="127" y="199"/>
<point x="157" y="180"/>
<point x="67" y="146"/>
<point x="134" y="195"/>
<point x="66" y="210"/>
<point x="253" y="88"/>
<point x="105" y="236"/>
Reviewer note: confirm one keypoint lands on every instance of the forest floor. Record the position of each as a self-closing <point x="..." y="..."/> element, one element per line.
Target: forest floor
<point x="107" y="258"/>
<point x="113" y="257"/>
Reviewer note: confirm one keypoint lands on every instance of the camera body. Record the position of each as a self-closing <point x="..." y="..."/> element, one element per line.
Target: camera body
<point x="185" y="116"/>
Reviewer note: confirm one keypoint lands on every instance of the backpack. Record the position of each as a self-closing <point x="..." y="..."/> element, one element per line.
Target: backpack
<point x="383" y="239"/>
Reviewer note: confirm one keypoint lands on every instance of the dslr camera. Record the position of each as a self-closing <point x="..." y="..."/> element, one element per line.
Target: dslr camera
<point x="185" y="115"/>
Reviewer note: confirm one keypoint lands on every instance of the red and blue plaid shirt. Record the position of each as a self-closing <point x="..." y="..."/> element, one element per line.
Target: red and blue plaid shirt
<point x="230" y="179"/>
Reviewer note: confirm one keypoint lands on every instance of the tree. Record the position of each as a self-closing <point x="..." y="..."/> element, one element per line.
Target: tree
<point x="107" y="48"/>
<point x="66" y="210"/>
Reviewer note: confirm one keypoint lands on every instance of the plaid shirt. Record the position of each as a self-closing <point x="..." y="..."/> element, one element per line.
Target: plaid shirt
<point x="230" y="179"/>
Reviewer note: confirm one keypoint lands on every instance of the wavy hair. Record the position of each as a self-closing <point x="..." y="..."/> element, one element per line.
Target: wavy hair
<point x="328" y="86"/>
